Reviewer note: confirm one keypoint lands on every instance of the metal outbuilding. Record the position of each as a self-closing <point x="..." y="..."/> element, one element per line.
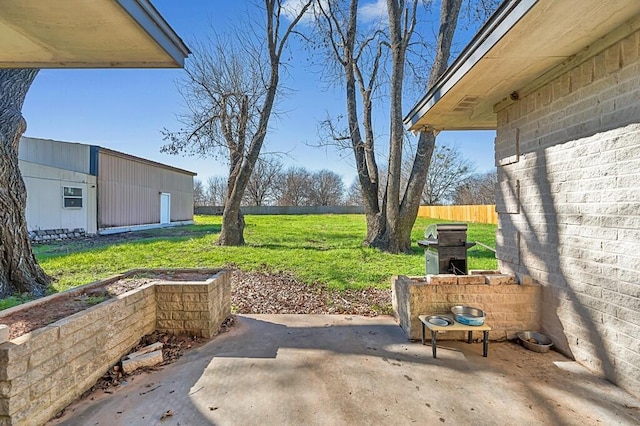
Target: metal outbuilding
<point x="90" y="189"/>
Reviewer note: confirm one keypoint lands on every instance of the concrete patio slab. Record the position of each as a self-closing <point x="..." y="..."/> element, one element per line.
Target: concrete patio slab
<point x="349" y="370"/>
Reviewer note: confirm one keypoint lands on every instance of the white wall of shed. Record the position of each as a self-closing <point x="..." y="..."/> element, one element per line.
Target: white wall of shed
<point x="45" y="198"/>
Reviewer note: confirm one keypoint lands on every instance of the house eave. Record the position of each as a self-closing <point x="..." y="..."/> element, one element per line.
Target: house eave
<point x="81" y="34"/>
<point x="522" y="41"/>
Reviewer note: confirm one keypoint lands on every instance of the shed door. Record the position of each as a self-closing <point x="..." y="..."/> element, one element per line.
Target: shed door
<point x="165" y="207"/>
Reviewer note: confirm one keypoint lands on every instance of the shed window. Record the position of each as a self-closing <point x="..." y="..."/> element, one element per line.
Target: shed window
<point x="72" y="197"/>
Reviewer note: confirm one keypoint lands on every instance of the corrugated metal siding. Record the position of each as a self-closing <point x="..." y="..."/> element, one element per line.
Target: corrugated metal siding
<point x="61" y="155"/>
<point x="129" y="192"/>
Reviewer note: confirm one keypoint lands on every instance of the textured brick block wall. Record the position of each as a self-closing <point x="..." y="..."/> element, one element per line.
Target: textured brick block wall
<point x="194" y="308"/>
<point x="510" y="308"/>
<point x="45" y="370"/>
<point x="568" y="157"/>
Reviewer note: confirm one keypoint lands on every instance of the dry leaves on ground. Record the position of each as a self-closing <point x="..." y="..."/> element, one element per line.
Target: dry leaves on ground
<point x="281" y="293"/>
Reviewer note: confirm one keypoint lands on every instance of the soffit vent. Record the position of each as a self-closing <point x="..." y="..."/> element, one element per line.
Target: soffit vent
<point x="466" y="104"/>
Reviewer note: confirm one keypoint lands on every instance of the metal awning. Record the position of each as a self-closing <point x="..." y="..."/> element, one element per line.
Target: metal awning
<point x="87" y="34"/>
<point x="522" y="41"/>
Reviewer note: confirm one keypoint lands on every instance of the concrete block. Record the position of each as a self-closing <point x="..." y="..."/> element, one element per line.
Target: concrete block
<point x="167" y="288"/>
<point x="470" y="279"/>
<point x="169" y="297"/>
<point x="150" y="348"/>
<point x="196" y="324"/>
<point x="170" y="324"/>
<point x="500" y="279"/>
<point x="169" y="306"/>
<point x="145" y="360"/>
<point x="195" y="288"/>
<point x="524" y="279"/>
<point x="194" y="297"/>
<point x="483" y="272"/>
<point x="442" y="279"/>
<point x="182" y="315"/>
<point x="194" y="306"/>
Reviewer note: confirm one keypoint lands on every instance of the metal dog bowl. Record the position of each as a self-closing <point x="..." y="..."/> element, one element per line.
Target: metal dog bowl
<point x="536" y="342"/>
<point x="467" y="315"/>
<point x="439" y="320"/>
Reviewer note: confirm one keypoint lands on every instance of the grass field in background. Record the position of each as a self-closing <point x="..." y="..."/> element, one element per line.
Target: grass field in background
<point x="315" y="248"/>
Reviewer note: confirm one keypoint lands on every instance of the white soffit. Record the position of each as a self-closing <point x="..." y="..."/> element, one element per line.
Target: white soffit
<point x="521" y="42"/>
<point x="87" y="34"/>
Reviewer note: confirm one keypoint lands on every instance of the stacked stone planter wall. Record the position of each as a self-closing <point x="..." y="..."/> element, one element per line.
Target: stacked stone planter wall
<point x="194" y="308"/>
<point x="510" y="306"/>
<point x="48" y="235"/>
<point x="43" y="371"/>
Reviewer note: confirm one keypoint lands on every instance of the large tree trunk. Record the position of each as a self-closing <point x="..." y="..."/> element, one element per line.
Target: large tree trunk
<point x="400" y="217"/>
<point x="19" y="269"/>
<point x="232" y="233"/>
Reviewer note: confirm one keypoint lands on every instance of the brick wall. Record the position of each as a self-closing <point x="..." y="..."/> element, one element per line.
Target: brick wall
<point x="44" y="371"/>
<point x="510" y="307"/>
<point x="47" y="369"/>
<point x="568" y="157"/>
<point x="194" y="308"/>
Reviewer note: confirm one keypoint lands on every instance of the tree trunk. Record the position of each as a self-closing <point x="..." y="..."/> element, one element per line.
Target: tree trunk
<point x="232" y="219"/>
<point x="19" y="269"/>
<point x="395" y="237"/>
<point x="232" y="233"/>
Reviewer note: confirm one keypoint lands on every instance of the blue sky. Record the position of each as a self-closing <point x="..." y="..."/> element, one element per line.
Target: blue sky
<point x="125" y="110"/>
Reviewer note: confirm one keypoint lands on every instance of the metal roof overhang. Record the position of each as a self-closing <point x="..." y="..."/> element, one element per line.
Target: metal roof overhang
<point x="522" y="41"/>
<point x="87" y="34"/>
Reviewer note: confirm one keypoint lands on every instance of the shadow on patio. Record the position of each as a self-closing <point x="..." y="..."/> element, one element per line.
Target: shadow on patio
<point x="334" y="369"/>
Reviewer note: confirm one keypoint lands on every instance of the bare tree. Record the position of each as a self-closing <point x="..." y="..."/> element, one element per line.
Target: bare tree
<point x="216" y="191"/>
<point x="294" y="187"/>
<point x="391" y="209"/>
<point x="477" y="189"/>
<point x="229" y="89"/>
<point x="448" y="169"/>
<point x="19" y="269"/>
<point x="199" y="198"/>
<point x="353" y="196"/>
<point x="261" y="189"/>
<point x="327" y="189"/>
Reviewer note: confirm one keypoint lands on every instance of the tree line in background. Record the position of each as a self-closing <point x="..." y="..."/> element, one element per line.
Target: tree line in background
<point x="450" y="180"/>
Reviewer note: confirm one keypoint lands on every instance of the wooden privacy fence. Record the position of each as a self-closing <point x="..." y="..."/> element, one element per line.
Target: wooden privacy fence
<point x="479" y="214"/>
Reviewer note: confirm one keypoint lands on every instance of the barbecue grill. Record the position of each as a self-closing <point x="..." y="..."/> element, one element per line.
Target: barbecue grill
<point x="445" y="248"/>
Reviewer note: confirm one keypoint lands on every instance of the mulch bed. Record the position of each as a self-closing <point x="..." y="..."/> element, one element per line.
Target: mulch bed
<point x="251" y="293"/>
<point x="26" y="320"/>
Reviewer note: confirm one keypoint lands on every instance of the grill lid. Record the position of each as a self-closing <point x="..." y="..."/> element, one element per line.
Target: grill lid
<point x="431" y="232"/>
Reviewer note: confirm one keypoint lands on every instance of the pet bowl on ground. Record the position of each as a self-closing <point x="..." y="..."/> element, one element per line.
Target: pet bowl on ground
<point x="536" y="342"/>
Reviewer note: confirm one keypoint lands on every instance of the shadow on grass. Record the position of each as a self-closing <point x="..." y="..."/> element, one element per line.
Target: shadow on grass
<point x="176" y="234"/>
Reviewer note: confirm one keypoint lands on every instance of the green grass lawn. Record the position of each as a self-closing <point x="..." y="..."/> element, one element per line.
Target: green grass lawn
<point x="315" y="248"/>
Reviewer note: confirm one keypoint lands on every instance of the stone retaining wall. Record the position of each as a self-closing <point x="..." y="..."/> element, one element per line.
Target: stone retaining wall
<point x="44" y="371"/>
<point x="46" y="235"/>
<point x="510" y="307"/>
<point x="194" y="308"/>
